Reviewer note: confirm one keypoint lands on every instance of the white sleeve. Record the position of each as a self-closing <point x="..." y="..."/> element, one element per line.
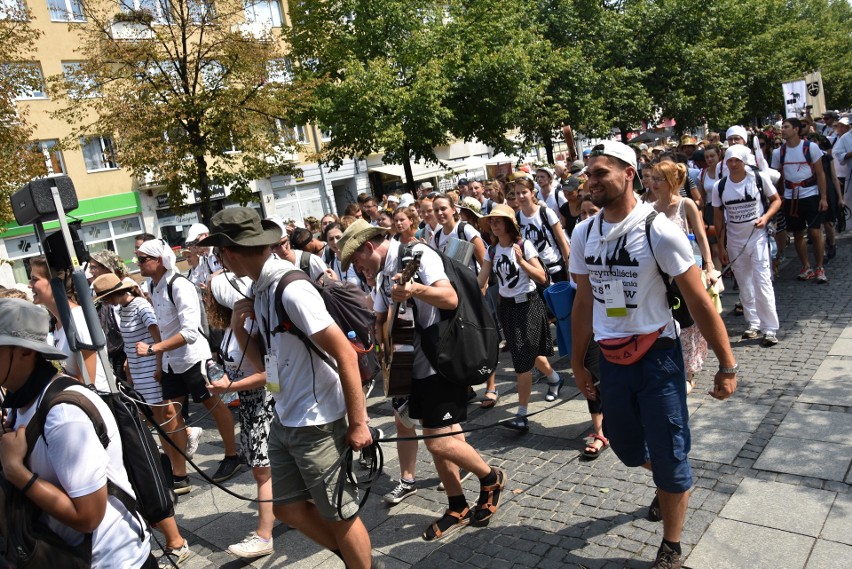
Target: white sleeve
<point x="488" y="254"/>
<point x="530" y="252"/>
<point x="305" y="307"/>
<point x="471" y="233"/>
<point x="671" y="247"/>
<point x="816" y="153"/>
<point x="317" y="266"/>
<point x="577" y="261"/>
<point x="776" y="159"/>
<point x="185" y="297"/>
<point x="76" y="454"/>
<point x="551" y="216"/>
<point x="768" y="186"/>
<point x="715" y="199"/>
<point x="431" y="267"/>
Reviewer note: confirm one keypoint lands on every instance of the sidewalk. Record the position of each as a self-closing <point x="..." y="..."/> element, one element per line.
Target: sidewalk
<point x="771" y="466"/>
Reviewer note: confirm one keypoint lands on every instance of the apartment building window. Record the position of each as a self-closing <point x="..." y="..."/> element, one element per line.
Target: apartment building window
<point x="79" y="84"/>
<point x="157" y="9"/>
<point x="201" y="11"/>
<point x="263" y="12"/>
<point x="28" y="78"/>
<point x="66" y="10"/>
<point x="99" y="154"/>
<point x="13" y="10"/>
<point x="294" y="134"/>
<point x="53" y="162"/>
<point x="279" y="70"/>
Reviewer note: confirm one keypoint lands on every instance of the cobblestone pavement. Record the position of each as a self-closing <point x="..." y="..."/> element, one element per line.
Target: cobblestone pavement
<point x="771" y="466"/>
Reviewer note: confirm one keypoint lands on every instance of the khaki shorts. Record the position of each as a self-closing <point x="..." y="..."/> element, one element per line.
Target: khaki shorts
<point x="300" y="458"/>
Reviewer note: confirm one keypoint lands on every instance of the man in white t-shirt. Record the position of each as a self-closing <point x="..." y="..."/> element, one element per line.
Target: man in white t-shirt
<point x="67" y="470"/>
<point x="207" y="263"/>
<point x="549" y="194"/>
<point x="740" y="215"/>
<point x="843" y="158"/>
<point x="319" y="410"/>
<point x="439" y="403"/>
<point x="805" y="199"/>
<point x="621" y="300"/>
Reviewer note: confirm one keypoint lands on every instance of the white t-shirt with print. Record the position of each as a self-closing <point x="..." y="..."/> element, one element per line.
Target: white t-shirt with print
<point x="512" y="279"/>
<point x="554" y="199"/>
<point x="629" y="259"/>
<point x="310" y="391"/>
<point x="431" y="270"/>
<point x="742" y="207"/>
<point x="796" y="169"/>
<point x="440" y="240"/>
<point x="542" y="237"/>
<point x="75" y="460"/>
<point x="71" y="363"/>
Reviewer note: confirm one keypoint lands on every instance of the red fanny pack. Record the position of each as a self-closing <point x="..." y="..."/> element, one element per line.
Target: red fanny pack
<point x="629" y="350"/>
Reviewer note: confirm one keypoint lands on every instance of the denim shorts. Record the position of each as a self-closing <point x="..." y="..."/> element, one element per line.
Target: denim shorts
<point x="645" y="415"/>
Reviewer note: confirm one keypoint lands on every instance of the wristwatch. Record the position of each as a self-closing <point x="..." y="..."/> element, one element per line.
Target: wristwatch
<point x="729" y="369"/>
<point x="151" y="350"/>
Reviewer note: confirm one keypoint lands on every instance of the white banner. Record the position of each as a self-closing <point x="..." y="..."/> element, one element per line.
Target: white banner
<point x="795" y="98"/>
<point x="816" y="95"/>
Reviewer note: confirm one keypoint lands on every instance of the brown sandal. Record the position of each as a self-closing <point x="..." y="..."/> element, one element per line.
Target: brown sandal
<point x="456" y="521"/>
<point x="489" y="499"/>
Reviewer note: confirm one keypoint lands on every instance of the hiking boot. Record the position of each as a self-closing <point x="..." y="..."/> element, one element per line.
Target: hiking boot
<point x="251" y="547"/>
<point x="519" y="424"/>
<point x="229" y="466"/>
<point x="819" y="275"/>
<point x="463" y="475"/>
<point x="769" y="340"/>
<point x="751" y="333"/>
<point x="193" y="435"/>
<point x="182" y="487"/>
<point x="805" y="274"/>
<point x="667" y="558"/>
<point x="174" y="557"/>
<point x="402" y="491"/>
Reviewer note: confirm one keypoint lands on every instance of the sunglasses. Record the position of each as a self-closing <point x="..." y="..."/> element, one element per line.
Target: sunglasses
<point x="142" y="259"/>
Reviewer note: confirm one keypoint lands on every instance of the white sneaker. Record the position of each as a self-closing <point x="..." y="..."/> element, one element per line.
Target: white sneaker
<point x="251" y="547"/>
<point x="193" y="435"/>
<point x="174" y="557"/>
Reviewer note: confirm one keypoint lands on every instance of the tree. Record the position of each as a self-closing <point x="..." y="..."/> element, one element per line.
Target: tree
<point x="403" y="77"/>
<point x="194" y="96"/>
<point x="19" y="161"/>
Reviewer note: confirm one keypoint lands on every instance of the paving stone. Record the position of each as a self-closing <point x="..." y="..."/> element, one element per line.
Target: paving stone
<point x="716" y="445"/>
<point x="838" y="526"/>
<point x="796" y="456"/>
<point x="817" y="425"/>
<point x="730" y="415"/>
<point x="730" y="544"/>
<point x="831" y="383"/>
<point x="780" y="506"/>
<point x="841" y="347"/>
<point x="830" y="555"/>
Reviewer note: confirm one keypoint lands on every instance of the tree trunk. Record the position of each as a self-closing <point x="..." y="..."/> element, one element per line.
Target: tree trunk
<point x="203" y="189"/>
<point x="547" y="141"/>
<point x="409" y="174"/>
<point x="622" y="128"/>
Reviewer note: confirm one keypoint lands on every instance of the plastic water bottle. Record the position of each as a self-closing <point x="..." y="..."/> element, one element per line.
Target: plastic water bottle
<point x="363" y="364"/>
<point x="696" y="252"/>
<point x="214" y="371"/>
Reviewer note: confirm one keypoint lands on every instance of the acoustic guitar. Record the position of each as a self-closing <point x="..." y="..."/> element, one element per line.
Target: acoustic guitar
<point x="399" y="346"/>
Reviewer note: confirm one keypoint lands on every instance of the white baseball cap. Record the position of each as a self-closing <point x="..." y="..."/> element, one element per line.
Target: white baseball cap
<point x="195" y="230"/>
<point x="616" y="150"/>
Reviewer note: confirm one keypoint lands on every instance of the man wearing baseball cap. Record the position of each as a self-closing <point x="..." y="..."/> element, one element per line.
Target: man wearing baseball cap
<point x="207" y="263"/>
<point x="319" y="409"/>
<point x="617" y="258"/>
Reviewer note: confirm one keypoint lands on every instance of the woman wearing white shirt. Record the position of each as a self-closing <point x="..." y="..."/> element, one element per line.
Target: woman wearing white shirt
<point x="550" y="241"/>
<point x="448" y="220"/>
<point x="522" y="313"/>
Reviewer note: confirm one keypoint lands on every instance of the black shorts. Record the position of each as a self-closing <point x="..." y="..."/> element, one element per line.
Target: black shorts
<point x="191" y="382"/>
<point x="438" y="402"/>
<point x="803" y="213"/>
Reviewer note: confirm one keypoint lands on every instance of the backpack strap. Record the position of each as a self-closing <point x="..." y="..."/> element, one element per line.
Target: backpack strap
<point x="285" y="324"/>
<point x="542" y="211"/>
<point x="722" y="183"/>
<point x="305" y="262"/>
<point x="667" y="281"/>
<point x="175" y="277"/>
<point x="460" y="230"/>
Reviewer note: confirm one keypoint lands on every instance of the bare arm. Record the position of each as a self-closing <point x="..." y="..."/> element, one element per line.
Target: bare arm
<point x="581" y="334"/>
<point x="820" y="176"/>
<point x="484" y="274"/>
<point x="439" y="294"/>
<point x="696" y="223"/>
<point x="719" y="224"/>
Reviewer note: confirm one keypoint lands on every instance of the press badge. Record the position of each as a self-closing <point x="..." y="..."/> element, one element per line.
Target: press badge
<point x="271" y="363"/>
<point x="616" y="307"/>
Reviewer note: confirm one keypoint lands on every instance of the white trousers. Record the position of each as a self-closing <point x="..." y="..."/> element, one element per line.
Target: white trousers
<point x="753" y="271"/>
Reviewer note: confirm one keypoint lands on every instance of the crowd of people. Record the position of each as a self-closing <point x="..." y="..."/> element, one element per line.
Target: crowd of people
<point x="639" y="233"/>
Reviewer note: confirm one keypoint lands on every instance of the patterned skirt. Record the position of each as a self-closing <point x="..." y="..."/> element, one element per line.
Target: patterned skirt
<point x="256" y="411"/>
<point x="527" y="331"/>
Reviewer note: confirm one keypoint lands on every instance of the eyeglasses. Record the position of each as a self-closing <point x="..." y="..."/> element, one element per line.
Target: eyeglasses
<point x="142" y="259"/>
<point x="658" y="179"/>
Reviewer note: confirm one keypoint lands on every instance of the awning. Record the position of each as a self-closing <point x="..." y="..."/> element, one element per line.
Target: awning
<point x="419" y="170"/>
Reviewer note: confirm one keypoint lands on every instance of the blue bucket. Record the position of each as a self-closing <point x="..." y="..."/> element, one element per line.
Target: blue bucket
<point x="560" y="298"/>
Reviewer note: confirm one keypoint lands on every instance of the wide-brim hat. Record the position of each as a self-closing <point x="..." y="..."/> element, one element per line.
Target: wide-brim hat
<point x="108" y="284"/>
<point x="471" y="205"/>
<point x="354" y="237"/>
<point x="240" y="226"/>
<point x="26" y="325"/>
<point x="498" y="210"/>
<point x="687" y="140"/>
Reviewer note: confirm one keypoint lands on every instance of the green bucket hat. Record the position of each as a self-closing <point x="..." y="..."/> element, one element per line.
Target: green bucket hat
<point x="356" y="235"/>
<point x="240" y="226"/>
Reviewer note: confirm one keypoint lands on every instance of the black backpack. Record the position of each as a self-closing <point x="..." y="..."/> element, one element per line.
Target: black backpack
<point x="464" y="344"/>
<point x="148" y="470"/>
<point x="114" y="339"/>
<point x="347" y="304"/>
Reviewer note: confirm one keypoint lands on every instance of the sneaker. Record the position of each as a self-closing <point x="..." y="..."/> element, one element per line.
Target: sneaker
<point x="251" y="547"/>
<point x="751" y="333"/>
<point x="667" y="558"/>
<point x="805" y="274"/>
<point x="769" y="339"/>
<point x="182" y="487"/>
<point x="193" y="435"/>
<point x="174" y="557"/>
<point x="227" y="468"/>
<point x="819" y="275"/>
<point x="402" y="491"/>
<point x="463" y="475"/>
<point x="553" y="390"/>
<point x="519" y="424"/>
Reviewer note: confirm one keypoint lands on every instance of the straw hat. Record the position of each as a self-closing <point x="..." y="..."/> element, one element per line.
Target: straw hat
<point x="108" y="284"/>
<point x="471" y="205"/>
<point x="498" y="210"/>
<point x="356" y="235"/>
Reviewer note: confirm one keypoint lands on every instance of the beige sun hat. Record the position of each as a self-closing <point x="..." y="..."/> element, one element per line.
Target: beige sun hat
<point x="498" y="210"/>
<point x="356" y="235"/>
